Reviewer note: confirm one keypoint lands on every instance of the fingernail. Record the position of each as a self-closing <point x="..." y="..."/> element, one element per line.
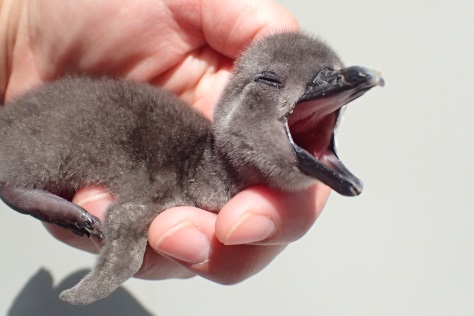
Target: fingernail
<point x="94" y="203"/>
<point x="185" y="242"/>
<point x="250" y="228"/>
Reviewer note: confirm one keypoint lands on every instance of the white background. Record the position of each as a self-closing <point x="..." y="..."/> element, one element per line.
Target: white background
<point x="404" y="247"/>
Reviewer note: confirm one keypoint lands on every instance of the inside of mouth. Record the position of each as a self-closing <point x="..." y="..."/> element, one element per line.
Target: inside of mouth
<point x="311" y="126"/>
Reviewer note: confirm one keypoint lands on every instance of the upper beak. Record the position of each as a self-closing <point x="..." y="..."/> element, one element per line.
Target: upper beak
<point x="334" y="89"/>
<point x="347" y="83"/>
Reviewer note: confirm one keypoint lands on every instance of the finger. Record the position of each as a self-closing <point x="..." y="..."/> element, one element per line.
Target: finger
<point x="73" y="240"/>
<point x="240" y="22"/>
<point x="183" y="233"/>
<point x="234" y="264"/>
<point x="187" y="235"/>
<point x="157" y="267"/>
<point x="94" y="199"/>
<point x="265" y="216"/>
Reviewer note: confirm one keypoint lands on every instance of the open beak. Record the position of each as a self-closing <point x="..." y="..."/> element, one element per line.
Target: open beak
<point x="310" y="126"/>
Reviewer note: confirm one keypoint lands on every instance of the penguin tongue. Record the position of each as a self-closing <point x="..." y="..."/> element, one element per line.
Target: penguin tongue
<point x="311" y="132"/>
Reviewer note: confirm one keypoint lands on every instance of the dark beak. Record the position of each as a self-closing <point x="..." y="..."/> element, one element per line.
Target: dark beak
<point x="329" y="91"/>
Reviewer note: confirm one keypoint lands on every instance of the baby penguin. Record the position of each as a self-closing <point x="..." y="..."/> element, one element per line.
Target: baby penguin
<point x="273" y="125"/>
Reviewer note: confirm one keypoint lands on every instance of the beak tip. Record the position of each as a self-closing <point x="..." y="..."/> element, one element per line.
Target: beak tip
<point x="354" y="189"/>
<point x="380" y="81"/>
<point x="375" y="76"/>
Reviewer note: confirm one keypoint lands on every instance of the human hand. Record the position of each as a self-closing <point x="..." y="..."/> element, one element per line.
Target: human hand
<point x="187" y="47"/>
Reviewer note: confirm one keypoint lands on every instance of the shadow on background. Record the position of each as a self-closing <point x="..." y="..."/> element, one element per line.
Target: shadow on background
<point x="38" y="297"/>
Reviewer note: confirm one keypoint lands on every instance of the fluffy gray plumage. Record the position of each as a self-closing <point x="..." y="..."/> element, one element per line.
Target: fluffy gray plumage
<point x="152" y="151"/>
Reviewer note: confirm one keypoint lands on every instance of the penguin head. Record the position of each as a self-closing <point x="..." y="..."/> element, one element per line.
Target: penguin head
<point x="275" y="121"/>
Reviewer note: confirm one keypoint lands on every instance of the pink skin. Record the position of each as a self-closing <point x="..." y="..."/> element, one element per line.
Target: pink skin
<point x="186" y="46"/>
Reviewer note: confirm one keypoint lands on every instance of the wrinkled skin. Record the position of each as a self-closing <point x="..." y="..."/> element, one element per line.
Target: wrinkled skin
<point x="185" y="46"/>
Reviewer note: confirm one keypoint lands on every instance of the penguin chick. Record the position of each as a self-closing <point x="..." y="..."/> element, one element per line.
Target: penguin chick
<point x="273" y="125"/>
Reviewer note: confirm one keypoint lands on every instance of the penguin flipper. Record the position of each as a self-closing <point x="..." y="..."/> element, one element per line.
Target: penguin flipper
<point x="51" y="208"/>
<point x="125" y="244"/>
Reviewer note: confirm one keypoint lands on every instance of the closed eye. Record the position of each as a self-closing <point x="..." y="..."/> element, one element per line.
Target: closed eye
<point x="270" y="79"/>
